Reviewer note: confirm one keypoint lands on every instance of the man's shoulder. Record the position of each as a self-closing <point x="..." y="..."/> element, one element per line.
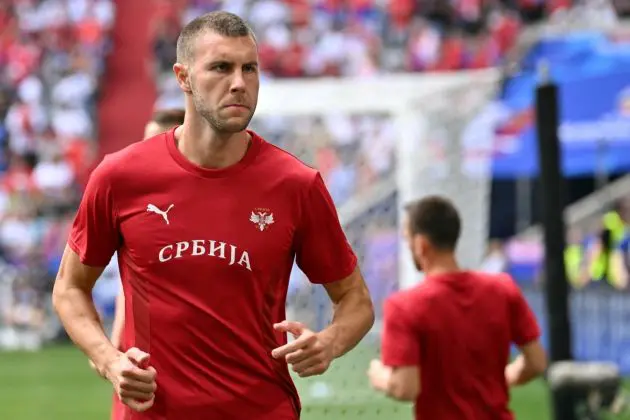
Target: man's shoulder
<point x="140" y="151"/>
<point x="429" y="288"/>
<point x="408" y="299"/>
<point x="132" y="158"/>
<point x="502" y="280"/>
<point x="494" y="287"/>
<point x="286" y="164"/>
<point x="485" y="277"/>
<point x="413" y="305"/>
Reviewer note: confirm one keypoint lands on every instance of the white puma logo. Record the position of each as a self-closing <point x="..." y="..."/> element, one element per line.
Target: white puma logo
<point x="152" y="208"/>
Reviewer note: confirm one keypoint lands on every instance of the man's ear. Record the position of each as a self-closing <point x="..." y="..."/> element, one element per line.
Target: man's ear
<point x="182" y="74"/>
<point x="421" y="244"/>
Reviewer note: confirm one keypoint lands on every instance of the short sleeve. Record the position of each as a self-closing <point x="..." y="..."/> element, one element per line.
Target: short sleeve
<point x="523" y="322"/>
<point x="95" y="235"/>
<point x="322" y="250"/>
<point x="401" y="341"/>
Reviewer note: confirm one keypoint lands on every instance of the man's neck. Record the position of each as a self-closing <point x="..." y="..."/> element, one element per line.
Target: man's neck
<point x="443" y="264"/>
<point x="204" y="147"/>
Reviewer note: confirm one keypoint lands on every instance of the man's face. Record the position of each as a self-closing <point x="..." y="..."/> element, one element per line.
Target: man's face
<point x="224" y="80"/>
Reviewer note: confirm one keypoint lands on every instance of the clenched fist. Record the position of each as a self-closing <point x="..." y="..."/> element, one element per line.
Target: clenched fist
<point x="309" y="355"/>
<point x="133" y="379"/>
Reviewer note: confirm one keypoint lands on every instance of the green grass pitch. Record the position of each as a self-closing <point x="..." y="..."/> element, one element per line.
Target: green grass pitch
<point x="57" y="384"/>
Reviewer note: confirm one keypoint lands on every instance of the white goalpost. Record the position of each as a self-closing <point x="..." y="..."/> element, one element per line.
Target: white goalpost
<point x="442" y="143"/>
<point x="412" y="135"/>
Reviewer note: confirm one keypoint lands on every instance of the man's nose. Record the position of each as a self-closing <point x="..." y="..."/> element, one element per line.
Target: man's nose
<point x="238" y="82"/>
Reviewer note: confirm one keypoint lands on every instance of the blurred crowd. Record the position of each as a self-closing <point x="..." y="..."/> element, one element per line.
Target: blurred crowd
<point x="52" y="56"/>
<point x="351" y="152"/>
<point x="357" y="38"/>
<point x="311" y="38"/>
<point x="597" y="253"/>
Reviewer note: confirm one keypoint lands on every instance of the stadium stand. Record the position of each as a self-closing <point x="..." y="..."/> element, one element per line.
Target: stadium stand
<point x="49" y="87"/>
<point x="333" y="38"/>
<point x="355" y="39"/>
<point x="52" y="56"/>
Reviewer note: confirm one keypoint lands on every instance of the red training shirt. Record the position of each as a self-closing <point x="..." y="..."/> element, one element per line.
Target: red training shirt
<point x="205" y="257"/>
<point x="458" y="328"/>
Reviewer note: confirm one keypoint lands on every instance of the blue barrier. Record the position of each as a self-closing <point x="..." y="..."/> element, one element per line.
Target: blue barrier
<point x="600" y="320"/>
<point x="594" y="103"/>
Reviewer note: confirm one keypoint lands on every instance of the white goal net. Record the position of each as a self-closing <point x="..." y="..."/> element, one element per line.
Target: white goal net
<point x="380" y="143"/>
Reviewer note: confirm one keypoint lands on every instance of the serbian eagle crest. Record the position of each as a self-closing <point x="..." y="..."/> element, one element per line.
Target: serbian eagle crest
<point x="261" y="220"/>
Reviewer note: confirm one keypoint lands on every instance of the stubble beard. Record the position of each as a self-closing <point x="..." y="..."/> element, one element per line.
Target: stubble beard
<point x="218" y="124"/>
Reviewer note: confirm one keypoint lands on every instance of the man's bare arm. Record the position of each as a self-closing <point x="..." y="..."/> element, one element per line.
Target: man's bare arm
<point x="400" y="383"/>
<point x="404" y="384"/>
<point x="353" y="313"/>
<point x="530" y="364"/>
<point x="72" y="300"/>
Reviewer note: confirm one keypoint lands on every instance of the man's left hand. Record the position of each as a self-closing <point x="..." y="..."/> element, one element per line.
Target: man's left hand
<point x="309" y="354"/>
<point x="379" y="375"/>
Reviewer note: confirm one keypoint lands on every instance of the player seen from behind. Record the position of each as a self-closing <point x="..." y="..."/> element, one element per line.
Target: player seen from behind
<point x="207" y="220"/>
<point x="446" y="342"/>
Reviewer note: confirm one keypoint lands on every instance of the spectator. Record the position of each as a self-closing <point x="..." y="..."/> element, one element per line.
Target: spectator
<point x="52" y="55"/>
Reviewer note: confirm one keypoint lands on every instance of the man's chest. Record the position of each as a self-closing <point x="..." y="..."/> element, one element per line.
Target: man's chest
<point x="206" y="226"/>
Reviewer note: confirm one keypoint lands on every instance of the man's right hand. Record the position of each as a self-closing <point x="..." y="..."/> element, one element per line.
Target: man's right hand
<point x="133" y="379"/>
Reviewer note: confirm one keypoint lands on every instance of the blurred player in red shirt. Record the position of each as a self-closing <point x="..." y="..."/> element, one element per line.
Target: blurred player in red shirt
<point x="446" y="342"/>
<point x="207" y="220"/>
